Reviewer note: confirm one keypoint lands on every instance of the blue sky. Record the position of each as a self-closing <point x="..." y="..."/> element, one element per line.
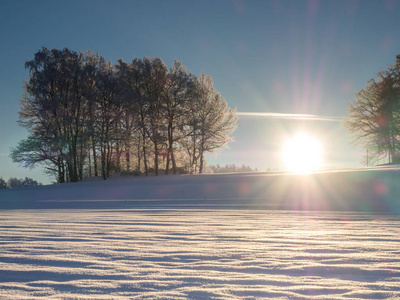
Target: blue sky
<point x="291" y="57"/>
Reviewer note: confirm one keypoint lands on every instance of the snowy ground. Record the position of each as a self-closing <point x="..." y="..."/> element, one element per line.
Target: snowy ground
<point x="204" y="237"/>
<point x="198" y="254"/>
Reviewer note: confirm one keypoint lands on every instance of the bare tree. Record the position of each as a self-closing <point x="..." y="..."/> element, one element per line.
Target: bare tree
<point x="180" y="90"/>
<point x="211" y="121"/>
<point x="84" y="114"/>
<point x="374" y="116"/>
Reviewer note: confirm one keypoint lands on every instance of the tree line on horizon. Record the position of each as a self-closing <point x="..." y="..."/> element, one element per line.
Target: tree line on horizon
<point x="14" y="182"/>
<point x="87" y="117"/>
<point x="231" y="168"/>
<point x="374" y="117"/>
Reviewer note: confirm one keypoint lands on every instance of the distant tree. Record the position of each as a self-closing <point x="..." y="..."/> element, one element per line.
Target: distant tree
<point x="374" y="116"/>
<point x="29" y="182"/>
<point x="15" y="182"/>
<point x="229" y="168"/>
<point x="3" y="184"/>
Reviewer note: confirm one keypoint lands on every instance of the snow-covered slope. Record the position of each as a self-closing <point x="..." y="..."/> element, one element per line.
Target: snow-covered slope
<point x="361" y="190"/>
<point x="163" y="238"/>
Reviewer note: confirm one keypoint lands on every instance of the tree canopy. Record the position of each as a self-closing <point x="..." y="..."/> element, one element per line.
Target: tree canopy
<point x="374" y="117"/>
<point x="87" y="117"/>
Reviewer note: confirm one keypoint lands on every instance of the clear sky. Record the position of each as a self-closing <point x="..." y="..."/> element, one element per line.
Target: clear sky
<point x="288" y="57"/>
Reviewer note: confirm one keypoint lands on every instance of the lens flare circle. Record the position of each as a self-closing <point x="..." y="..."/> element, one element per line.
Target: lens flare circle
<point x="302" y="154"/>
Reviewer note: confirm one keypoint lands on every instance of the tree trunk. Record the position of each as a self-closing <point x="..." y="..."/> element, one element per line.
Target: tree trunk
<point x="96" y="173"/>
<point x="169" y="146"/>
<point x="156" y="157"/>
<point x="167" y="165"/>
<point x="138" y="154"/>
<point x="118" y="153"/>
<point x="90" y="165"/>
<point x="128" y="160"/>
<point x="144" y="154"/>
<point x="201" y="153"/>
<point x="103" y="162"/>
<point x="194" y="155"/>
<point x="61" y="170"/>
<point x="109" y="157"/>
<point x="144" y="144"/>
<point x="174" y="169"/>
<point x="170" y="149"/>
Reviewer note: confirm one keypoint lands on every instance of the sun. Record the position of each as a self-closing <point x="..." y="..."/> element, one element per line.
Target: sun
<point x="302" y="154"/>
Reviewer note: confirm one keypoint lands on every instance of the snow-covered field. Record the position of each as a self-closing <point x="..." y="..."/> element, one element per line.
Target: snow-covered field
<point x="204" y="237"/>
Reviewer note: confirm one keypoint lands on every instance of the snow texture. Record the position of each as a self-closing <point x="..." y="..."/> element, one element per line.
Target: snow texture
<point x="199" y="237"/>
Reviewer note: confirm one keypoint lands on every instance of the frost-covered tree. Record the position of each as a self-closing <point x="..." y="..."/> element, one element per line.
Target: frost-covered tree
<point x="374" y="116"/>
<point x="52" y="108"/>
<point x="179" y="92"/>
<point x="211" y="122"/>
<point x="39" y="150"/>
<point x="108" y="118"/>
<point x="86" y="116"/>
<point x="154" y="80"/>
<point x="132" y="76"/>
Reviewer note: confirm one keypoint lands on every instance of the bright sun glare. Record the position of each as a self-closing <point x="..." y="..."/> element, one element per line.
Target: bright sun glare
<point x="302" y="154"/>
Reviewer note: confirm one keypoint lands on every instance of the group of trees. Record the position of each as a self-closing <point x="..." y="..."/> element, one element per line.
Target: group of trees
<point x="15" y="182"/>
<point x="229" y="168"/>
<point x="374" y="117"/>
<point x="87" y="117"/>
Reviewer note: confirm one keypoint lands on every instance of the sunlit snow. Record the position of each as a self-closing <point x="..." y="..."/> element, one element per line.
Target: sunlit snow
<point x="149" y="246"/>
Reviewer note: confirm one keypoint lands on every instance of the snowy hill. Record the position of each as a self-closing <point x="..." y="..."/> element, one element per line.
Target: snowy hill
<point x="204" y="237"/>
<point x="361" y="190"/>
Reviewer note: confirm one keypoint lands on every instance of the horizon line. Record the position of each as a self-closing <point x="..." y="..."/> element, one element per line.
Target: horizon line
<point x="307" y="117"/>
